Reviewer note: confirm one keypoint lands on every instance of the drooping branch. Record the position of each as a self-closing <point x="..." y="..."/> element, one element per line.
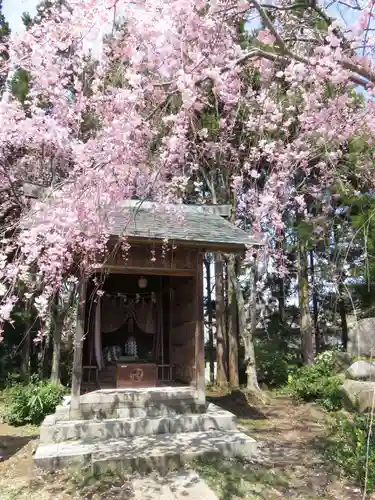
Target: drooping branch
<point x="287" y="55"/>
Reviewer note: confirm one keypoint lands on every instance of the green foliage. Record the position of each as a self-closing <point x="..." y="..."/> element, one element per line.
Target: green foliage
<point x="351" y="448"/>
<point x="30" y="403"/>
<point x="27" y="20"/>
<point x="4" y="26"/>
<point x="4" y="36"/>
<point x="320" y="381"/>
<point x="20" y="85"/>
<point x="276" y="357"/>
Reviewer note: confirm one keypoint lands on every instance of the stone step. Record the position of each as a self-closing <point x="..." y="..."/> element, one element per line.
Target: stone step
<point x="139" y="397"/>
<point x="177" y="485"/>
<point x="160" y="452"/>
<point x="155" y="402"/>
<point x="103" y="411"/>
<point x="214" y="418"/>
<point x="158" y="410"/>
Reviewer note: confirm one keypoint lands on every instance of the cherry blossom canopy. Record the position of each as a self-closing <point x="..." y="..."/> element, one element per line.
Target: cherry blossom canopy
<point x="174" y="104"/>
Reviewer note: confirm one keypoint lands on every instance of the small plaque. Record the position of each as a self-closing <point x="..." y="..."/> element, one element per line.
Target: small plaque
<point x="136" y="375"/>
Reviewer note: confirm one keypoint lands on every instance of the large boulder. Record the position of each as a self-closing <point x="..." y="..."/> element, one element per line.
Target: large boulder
<point x="361" y="370"/>
<point x="358" y="395"/>
<point x="361" y="340"/>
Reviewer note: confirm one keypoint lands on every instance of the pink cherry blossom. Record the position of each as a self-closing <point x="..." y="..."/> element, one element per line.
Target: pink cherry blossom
<point x="129" y="121"/>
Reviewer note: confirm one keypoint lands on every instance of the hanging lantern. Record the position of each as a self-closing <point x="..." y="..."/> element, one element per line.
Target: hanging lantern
<point x="142" y="282"/>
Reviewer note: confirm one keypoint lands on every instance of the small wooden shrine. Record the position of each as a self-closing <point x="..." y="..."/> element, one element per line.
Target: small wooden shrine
<point x="140" y="321"/>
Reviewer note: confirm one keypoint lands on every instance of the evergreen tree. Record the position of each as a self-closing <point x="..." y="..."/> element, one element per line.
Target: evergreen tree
<point x="20" y="82"/>
<point x="4" y="36"/>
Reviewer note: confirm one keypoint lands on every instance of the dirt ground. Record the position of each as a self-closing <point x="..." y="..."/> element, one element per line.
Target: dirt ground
<point x="20" y="481"/>
<point x="289" y="465"/>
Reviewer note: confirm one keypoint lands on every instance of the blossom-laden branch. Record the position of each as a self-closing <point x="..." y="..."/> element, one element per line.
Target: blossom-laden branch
<point x="175" y="97"/>
<point x="360" y="74"/>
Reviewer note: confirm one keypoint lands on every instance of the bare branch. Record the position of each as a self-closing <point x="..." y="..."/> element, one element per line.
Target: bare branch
<point x="322" y="14"/>
<point x="268" y="23"/>
<point x="294" y="6"/>
<point x="354" y="7"/>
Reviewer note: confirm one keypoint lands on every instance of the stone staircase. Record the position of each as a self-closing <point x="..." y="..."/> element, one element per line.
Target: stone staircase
<point x="141" y="429"/>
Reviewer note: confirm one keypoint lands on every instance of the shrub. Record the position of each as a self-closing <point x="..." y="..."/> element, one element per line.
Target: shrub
<point x="350" y="442"/>
<point x="277" y="353"/>
<point x="275" y="360"/>
<point x="335" y="360"/>
<point x="319" y="381"/>
<point x="30" y="403"/>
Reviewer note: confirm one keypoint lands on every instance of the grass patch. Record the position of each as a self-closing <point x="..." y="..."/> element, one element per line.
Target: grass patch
<point x="349" y="446"/>
<point x="235" y="479"/>
<point x="71" y="484"/>
<point x="109" y="484"/>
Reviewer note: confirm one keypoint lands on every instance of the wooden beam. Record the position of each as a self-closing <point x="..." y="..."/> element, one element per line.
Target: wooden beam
<point x="144" y="271"/>
<point x="199" y="333"/>
<point x="208" y="247"/>
<point x="78" y="347"/>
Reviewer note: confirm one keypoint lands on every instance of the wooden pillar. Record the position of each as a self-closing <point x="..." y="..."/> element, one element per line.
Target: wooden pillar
<point x="232" y="323"/>
<point x="211" y="357"/>
<point x="199" y="333"/>
<point x="78" y="347"/>
<point x="221" y="351"/>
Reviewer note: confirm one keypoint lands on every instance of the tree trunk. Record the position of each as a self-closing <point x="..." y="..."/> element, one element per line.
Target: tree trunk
<point x="318" y="339"/>
<point x="79" y="336"/>
<point x="342" y="311"/>
<point x="303" y="295"/>
<point x="222" y="378"/>
<point x="211" y="359"/>
<point x="281" y="292"/>
<point x="25" y="361"/>
<point x="44" y="346"/>
<point x="59" y="314"/>
<point x="337" y="260"/>
<point x="281" y="299"/>
<point x="56" y="340"/>
<point x="26" y="348"/>
<point x="47" y="356"/>
<point x="232" y="325"/>
<point x="246" y="333"/>
<point x="57" y="325"/>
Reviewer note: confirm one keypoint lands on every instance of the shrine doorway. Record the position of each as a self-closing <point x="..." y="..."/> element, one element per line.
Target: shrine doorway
<point x="138" y="331"/>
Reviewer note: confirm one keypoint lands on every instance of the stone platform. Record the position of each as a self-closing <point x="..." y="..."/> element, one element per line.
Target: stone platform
<point x="132" y="403"/>
<point x="161" y="452"/>
<point x="143" y="430"/>
<point x="214" y="418"/>
<point x="181" y="485"/>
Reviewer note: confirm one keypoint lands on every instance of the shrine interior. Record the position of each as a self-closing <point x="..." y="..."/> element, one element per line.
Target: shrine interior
<point x="131" y="326"/>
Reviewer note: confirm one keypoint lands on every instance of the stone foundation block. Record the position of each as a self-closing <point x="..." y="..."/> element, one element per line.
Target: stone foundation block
<point x="145" y="453"/>
<point x="214" y="419"/>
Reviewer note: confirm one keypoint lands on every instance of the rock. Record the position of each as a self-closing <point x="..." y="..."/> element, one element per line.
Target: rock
<point x="66" y="400"/>
<point x="342" y="361"/>
<point x="361" y="370"/>
<point x="358" y="395"/>
<point x="362" y="338"/>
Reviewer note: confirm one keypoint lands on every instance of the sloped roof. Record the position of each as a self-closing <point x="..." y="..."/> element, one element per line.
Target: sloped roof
<point x="203" y="225"/>
<point x="184" y="224"/>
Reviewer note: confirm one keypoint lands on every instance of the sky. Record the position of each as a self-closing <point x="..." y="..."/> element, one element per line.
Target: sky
<point x="13" y="9"/>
